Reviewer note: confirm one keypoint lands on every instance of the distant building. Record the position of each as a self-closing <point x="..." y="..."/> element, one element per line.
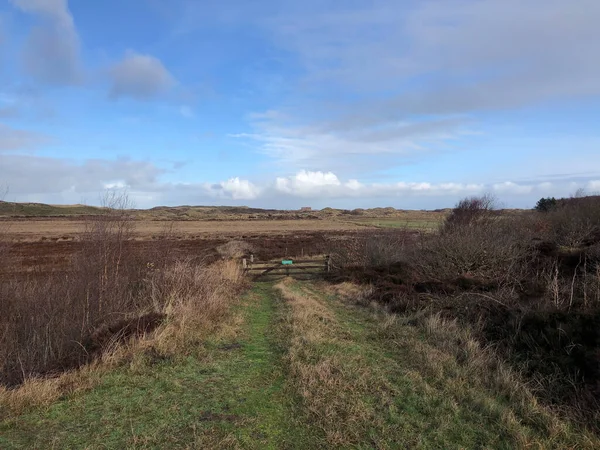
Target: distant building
<point x="306" y="208"/>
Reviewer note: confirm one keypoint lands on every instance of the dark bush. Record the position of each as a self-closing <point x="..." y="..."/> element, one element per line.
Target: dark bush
<point x="545" y="204"/>
<point x="526" y="284"/>
<point x="471" y="211"/>
<point x="47" y="318"/>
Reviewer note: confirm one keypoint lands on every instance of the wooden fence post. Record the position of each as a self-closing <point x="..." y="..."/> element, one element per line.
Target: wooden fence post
<point x="328" y="263"/>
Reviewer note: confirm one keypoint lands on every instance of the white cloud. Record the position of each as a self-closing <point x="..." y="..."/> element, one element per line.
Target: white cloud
<point x="45" y="179"/>
<point x="593" y="186"/>
<point x="326" y="185"/>
<point x="510" y="187"/>
<point x="350" y="148"/>
<point x="13" y="139"/>
<point x="57" y="10"/>
<point x="42" y="176"/>
<point x="51" y="51"/>
<point x="492" y="53"/>
<point x="235" y="189"/>
<point x="307" y="183"/>
<point x="140" y="77"/>
<point x="380" y="84"/>
<point x="115" y="185"/>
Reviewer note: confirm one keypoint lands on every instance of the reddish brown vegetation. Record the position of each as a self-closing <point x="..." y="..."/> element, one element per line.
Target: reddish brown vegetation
<point x="65" y="301"/>
<point x="529" y="285"/>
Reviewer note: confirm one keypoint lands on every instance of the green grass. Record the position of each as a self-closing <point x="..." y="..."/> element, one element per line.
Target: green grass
<point x="231" y="397"/>
<point x="304" y="371"/>
<point x="398" y="223"/>
<point x="412" y="395"/>
<point x="43" y="210"/>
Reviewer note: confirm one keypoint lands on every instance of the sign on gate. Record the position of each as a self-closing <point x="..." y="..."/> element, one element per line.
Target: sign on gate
<point x="312" y="267"/>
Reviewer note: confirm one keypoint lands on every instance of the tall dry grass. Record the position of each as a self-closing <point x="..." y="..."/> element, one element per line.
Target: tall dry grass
<point x="332" y="386"/>
<point x="195" y="299"/>
<point x="114" y="290"/>
<point x="528" y="284"/>
<point x="191" y="299"/>
<point x="49" y="319"/>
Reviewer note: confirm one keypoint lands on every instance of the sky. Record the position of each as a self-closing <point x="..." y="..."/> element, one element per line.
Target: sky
<point x="281" y="104"/>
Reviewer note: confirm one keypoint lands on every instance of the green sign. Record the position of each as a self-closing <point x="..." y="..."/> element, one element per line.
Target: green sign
<point x="287" y="262"/>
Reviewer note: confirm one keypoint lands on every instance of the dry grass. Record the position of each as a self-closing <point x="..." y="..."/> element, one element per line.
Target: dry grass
<point x="529" y="284"/>
<point x="235" y="249"/>
<point x="451" y="362"/>
<point x="33" y="230"/>
<point x="195" y="300"/>
<point x="332" y="387"/>
<point x="452" y="346"/>
<point x="353" y="293"/>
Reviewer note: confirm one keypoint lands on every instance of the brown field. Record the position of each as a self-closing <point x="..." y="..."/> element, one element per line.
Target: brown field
<point x="49" y="244"/>
<point x="39" y="245"/>
<point x="524" y="284"/>
<point x="68" y="229"/>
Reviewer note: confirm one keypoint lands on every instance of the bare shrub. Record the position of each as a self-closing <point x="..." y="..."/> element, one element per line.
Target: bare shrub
<point x="385" y="249"/>
<point x="194" y="299"/>
<point x="493" y="251"/>
<point x="115" y="289"/>
<point x="48" y="318"/>
<point x="4" y="247"/>
<point x="575" y="221"/>
<point x="471" y="211"/>
<point x="528" y="284"/>
<point x="235" y="249"/>
<point x="375" y="249"/>
<point x="105" y="238"/>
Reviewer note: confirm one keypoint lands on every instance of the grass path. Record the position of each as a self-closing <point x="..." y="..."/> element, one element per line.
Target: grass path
<point x="231" y="397"/>
<point x="298" y="368"/>
<point x="368" y="380"/>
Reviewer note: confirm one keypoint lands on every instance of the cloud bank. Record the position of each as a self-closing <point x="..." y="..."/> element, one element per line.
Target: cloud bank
<point x="139" y="76"/>
<point x="54" y="180"/>
<point x="13" y="139"/>
<point x="387" y="83"/>
<point x="51" y="51"/>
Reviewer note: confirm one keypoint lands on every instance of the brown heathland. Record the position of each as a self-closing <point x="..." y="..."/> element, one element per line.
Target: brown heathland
<point x="65" y="229"/>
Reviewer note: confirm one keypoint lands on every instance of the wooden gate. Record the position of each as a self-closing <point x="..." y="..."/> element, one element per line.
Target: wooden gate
<point x="287" y="266"/>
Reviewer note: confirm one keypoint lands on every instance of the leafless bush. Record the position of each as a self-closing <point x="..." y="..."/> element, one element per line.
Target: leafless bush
<point x="194" y="298"/>
<point x="377" y="249"/>
<point x="575" y="222"/>
<point x="528" y="284"/>
<point x="235" y="249"/>
<point x="46" y="318"/>
<point x="493" y="251"/>
<point x="471" y="211"/>
<point x="385" y="249"/>
<point x="115" y="288"/>
<point x="347" y="253"/>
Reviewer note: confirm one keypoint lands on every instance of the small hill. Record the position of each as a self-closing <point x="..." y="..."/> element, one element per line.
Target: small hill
<point x="10" y="209"/>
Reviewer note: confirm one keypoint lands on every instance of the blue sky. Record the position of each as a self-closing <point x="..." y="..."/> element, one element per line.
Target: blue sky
<point x="410" y="104"/>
